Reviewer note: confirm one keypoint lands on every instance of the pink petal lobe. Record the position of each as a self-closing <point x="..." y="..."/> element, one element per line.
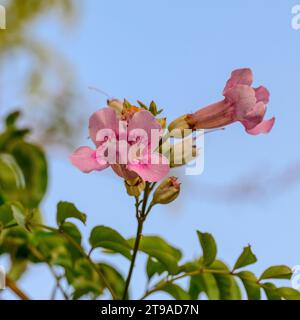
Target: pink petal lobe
<point x="105" y="118"/>
<point x="262" y="94"/>
<point x="84" y="158"/>
<point x="243" y="99"/>
<point x="239" y="76"/>
<point x="264" y="127"/>
<point x="154" y="170"/>
<point x="145" y="121"/>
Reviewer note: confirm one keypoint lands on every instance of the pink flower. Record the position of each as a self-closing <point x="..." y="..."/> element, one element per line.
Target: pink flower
<point x="125" y="143"/>
<point x="241" y="103"/>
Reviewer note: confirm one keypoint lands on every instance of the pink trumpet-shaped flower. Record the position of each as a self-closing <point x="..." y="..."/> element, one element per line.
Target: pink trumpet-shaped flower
<point x="126" y="144"/>
<point x="241" y="103"/>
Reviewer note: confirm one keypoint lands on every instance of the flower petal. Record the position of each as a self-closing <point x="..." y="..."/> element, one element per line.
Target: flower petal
<point x="105" y="118"/>
<point x="156" y="168"/>
<point x="239" y="76"/>
<point x="84" y="158"/>
<point x="262" y="94"/>
<point x="243" y="99"/>
<point x="145" y="121"/>
<point x="255" y="116"/>
<point x="264" y="127"/>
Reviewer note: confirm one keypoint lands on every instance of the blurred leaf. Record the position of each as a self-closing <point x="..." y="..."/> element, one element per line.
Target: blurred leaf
<point x="209" y="247"/>
<point x="250" y="283"/>
<point x="67" y="210"/>
<point x="270" y="291"/>
<point x="159" y="249"/>
<point x="72" y="230"/>
<point x="19" y="215"/>
<point x="288" y="293"/>
<point x="228" y="287"/>
<point x="12" y="118"/>
<point x="105" y="237"/>
<point x="6" y="215"/>
<point x="114" y="278"/>
<point x="246" y="258"/>
<point x="32" y="161"/>
<point x="277" y="272"/>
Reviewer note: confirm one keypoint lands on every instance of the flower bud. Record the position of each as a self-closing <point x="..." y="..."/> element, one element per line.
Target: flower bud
<point x="179" y="128"/>
<point x="117" y="105"/>
<point x="183" y="153"/>
<point x="167" y="191"/>
<point x="135" y="186"/>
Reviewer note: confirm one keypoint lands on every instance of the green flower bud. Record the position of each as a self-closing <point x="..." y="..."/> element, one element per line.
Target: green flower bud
<point x="135" y="186"/>
<point x="167" y="191"/>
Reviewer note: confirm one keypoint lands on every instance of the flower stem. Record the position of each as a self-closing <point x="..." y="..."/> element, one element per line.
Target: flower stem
<point x="135" y="251"/>
<point x="141" y="217"/>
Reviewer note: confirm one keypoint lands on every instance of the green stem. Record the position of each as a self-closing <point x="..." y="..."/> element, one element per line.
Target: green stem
<point x="135" y="251"/>
<point x="141" y="217"/>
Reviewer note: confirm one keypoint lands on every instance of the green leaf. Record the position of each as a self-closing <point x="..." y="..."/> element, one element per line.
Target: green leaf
<point x="66" y="210"/>
<point x="250" y="283"/>
<point x="209" y="247"/>
<point x="270" y="291"/>
<point x="72" y="230"/>
<point x="6" y="215"/>
<point x="228" y="287"/>
<point x="154" y="267"/>
<point x="288" y="293"/>
<point x="114" y="278"/>
<point x="246" y="258"/>
<point x="176" y="292"/>
<point x="108" y="238"/>
<point x="161" y="250"/>
<point x="31" y="159"/>
<point x="277" y="272"/>
<point x="204" y="283"/>
<point x="12" y="118"/>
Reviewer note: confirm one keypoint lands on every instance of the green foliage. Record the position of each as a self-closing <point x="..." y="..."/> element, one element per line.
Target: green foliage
<point x="246" y="258"/>
<point x="104" y="237"/>
<point x="157" y="248"/>
<point x="209" y="247"/>
<point x="67" y="210"/>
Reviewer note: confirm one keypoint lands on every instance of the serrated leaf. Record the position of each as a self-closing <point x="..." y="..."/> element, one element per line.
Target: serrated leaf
<point x="250" y="283"/>
<point x="209" y="247"/>
<point x="277" y="272"/>
<point x="288" y="293"/>
<point x="67" y="210"/>
<point x="246" y="258"/>
<point x="108" y="238"/>
<point x="158" y="248"/>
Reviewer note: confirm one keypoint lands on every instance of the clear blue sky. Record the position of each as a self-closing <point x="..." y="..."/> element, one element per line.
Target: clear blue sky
<point x="180" y="53"/>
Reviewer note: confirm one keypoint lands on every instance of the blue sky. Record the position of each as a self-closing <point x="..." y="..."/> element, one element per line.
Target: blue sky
<point x="180" y="54"/>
